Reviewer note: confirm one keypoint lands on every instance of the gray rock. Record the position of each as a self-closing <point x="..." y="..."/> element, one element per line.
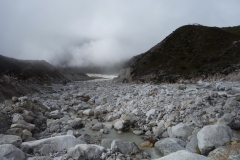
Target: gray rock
<point x="106" y="143"/>
<point x="124" y="147"/>
<point x="53" y="144"/>
<point x="17" y="117"/>
<point x="88" y="112"/>
<point x="40" y="158"/>
<point x="183" y="155"/>
<point x="169" y="145"/>
<point x="10" y="139"/>
<point x="11" y="152"/>
<point x="213" y="136"/>
<point x="227" y="120"/>
<point x="24" y="125"/>
<point x="26" y="134"/>
<point x="97" y="126"/>
<point x="231" y="152"/>
<point x="119" y="125"/>
<point x="192" y="146"/>
<point x="181" y="130"/>
<point x="15" y="131"/>
<point x="3" y="158"/>
<point x="85" y="151"/>
<point x="125" y="75"/>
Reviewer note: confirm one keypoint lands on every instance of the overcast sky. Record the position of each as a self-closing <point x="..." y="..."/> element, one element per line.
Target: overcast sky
<point x="79" y="32"/>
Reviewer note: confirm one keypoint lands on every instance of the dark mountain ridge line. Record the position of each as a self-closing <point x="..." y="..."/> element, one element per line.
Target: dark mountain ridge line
<point x="22" y="77"/>
<point x="189" y="51"/>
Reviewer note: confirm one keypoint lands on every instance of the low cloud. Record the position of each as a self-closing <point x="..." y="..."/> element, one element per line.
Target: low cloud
<point x="82" y="33"/>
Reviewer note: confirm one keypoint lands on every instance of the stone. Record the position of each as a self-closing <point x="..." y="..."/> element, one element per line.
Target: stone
<point x="11" y="152"/>
<point x="40" y="158"/>
<point x="159" y="130"/>
<point x="183" y="155"/>
<point x="55" y="114"/>
<point x="6" y="79"/>
<point x="3" y="158"/>
<point x="181" y="130"/>
<point x="231" y="152"/>
<point x="85" y="137"/>
<point x="150" y="112"/>
<point x="23" y="99"/>
<point x="124" y="147"/>
<point x="169" y="145"/>
<point x="192" y="146"/>
<point x="213" y="136"/>
<point x="138" y="132"/>
<point x="85" y="151"/>
<point x="10" y="139"/>
<point x="24" y="125"/>
<point x="106" y="143"/>
<point x="88" y="112"/>
<point x="146" y="144"/>
<point x="15" y="131"/>
<point x="53" y="144"/>
<point x="129" y="118"/>
<point x="227" y="120"/>
<point x="17" y="117"/>
<point x="119" y="125"/>
<point x="97" y="126"/>
<point x="26" y="134"/>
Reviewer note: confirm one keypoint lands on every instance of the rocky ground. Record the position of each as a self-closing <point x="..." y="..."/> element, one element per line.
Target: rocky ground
<point x="183" y="121"/>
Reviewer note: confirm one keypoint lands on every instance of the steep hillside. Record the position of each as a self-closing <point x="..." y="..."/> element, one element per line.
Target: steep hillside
<point x="189" y="51"/>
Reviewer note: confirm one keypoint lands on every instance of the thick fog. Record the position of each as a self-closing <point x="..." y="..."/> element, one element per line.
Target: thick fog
<point x="83" y="32"/>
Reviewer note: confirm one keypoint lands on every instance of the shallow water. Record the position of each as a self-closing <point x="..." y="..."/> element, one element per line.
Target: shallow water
<point x="125" y="137"/>
<point x="130" y="137"/>
<point x="106" y="76"/>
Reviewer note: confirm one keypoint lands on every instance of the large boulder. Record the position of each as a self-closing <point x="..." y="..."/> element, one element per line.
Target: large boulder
<point x="183" y="155"/>
<point x="231" y="152"/>
<point x="213" y="136"/>
<point x="169" y="145"/>
<point x="11" y="152"/>
<point x="85" y="151"/>
<point x="181" y="130"/>
<point x="10" y="139"/>
<point x="124" y="147"/>
<point x="53" y="144"/>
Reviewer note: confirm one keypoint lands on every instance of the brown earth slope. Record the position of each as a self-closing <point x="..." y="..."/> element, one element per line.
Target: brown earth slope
<point x="189" y="51"/>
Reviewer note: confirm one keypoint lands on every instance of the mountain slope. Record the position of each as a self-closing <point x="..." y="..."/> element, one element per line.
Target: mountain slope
<point x="21" y="77"/>
<point x="189" y="51"/>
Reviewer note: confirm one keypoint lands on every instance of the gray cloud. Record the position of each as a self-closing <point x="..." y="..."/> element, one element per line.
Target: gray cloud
<point x="80" y="32"/>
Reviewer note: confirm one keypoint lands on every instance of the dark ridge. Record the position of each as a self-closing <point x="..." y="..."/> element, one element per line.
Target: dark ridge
<point x="189" y="51"/>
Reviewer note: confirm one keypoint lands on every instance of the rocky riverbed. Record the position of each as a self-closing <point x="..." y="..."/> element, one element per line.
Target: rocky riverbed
<point x="80" y="120"/>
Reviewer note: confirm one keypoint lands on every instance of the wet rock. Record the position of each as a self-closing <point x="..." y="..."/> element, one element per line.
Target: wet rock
<point x="213" y="136"/>
<point x="15" y="131"/>
<point x="40" y="158"/>
<point x="146" y="144"/>
<point x="11" y="152"/>
<point x="169" y="145"/>
<point x="106" y="143"/>
<point x="10" y="139"/>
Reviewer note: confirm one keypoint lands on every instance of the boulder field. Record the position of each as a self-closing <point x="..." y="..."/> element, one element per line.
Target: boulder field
<point x="199" y="121"/>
